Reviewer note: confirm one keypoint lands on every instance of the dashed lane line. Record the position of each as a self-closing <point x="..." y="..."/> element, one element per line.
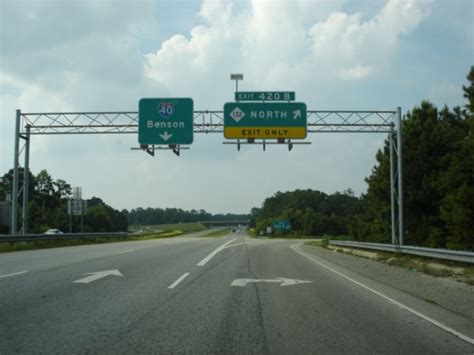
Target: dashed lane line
<point x="14" y="274"/>
<point x="176" y="283"/>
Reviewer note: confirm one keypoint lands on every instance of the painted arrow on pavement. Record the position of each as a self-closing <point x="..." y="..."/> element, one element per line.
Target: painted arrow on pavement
<point x="94" y="276"/>
<point x="282" y="280"/>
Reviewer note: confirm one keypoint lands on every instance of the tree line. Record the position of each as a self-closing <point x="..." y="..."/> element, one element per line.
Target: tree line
<point x="438" y="175"/>
<point x="310" y="212"/>
<point x="48" y="206"/>
<point x="48" y="209"/>
<point x="149" y="216"/>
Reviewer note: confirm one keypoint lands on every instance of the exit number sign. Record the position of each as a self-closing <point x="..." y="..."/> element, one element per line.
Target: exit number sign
<point x="265" y="96"/>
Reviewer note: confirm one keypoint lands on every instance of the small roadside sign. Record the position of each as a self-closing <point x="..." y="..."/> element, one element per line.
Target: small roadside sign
<point x="165" y="121"/>
<point x="281" y="226"/>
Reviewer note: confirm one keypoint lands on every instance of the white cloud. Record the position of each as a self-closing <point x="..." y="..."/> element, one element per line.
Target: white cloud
<point x="443" y="93"/>
<point x="356" y="72"/>
<point x="272" y="41"/>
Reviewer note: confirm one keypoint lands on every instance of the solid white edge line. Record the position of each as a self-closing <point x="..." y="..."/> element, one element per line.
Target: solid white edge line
<point x="213" y="253"/>
<point x="174" y="284"/>
<point x="15" y="273"/>
<point x="391" y="300"/>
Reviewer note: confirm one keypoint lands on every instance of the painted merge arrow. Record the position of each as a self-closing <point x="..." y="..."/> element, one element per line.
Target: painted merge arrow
<point x="98" y="275"/>
<point x="166" y="136"/>
<point x="296" y="114"/>
<point x="282" y="280"/>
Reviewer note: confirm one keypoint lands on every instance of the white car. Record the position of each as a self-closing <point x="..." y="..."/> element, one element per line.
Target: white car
<point x="53" y="231"/>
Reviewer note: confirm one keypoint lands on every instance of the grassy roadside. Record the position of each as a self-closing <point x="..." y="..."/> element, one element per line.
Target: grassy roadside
<point x="217" y="233"/>
<point x="164" y="231"/>
<point x="251" y="232"/>
<point x="438" y="268"/>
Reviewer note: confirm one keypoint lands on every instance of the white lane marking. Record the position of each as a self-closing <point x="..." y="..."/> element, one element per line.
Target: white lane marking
<point x="213" y="253"/>
<point x="234" y="245"/>
<point x="98" y="275"/>
<point x="282" y="280"/>
<point x="176" y="283"/>
<point x="391" y="300"/>
<point x="126" y="251"/>
<point x="15" y="273"/>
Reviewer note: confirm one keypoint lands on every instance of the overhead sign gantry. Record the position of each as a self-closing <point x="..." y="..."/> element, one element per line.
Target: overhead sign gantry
<point x="167" y="123"/>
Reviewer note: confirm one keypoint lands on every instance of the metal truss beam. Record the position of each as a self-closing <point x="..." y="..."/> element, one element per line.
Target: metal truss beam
<point x="204" y="122"/>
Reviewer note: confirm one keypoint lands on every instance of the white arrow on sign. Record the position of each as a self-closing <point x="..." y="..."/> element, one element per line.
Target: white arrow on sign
<point x="98" y="275"/>
<point x="296" y="114"/>
<point x="166" y="136"/>
<point x="282" y="280"/>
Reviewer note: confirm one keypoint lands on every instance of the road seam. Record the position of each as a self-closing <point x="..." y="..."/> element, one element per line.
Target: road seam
<point x="126" y="251"/>
<point x="214" y="252"/>
<point x="391" y="300"/>
<point x="176" y="283"/>
<point x="15" y="273"/>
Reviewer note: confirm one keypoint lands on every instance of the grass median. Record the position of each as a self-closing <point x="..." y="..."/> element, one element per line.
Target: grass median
<point x="6" y="247"/>
<point x="217" y="233"/>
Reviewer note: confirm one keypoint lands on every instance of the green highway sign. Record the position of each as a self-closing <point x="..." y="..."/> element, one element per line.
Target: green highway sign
<point x="165" y="121"/>
<point x="272" y="120"/>
<point x="281" y="226"/>
<point x="265" y="96"/>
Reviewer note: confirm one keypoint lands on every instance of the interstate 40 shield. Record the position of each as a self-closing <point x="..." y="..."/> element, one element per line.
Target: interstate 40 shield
<point x="165" y="121"/>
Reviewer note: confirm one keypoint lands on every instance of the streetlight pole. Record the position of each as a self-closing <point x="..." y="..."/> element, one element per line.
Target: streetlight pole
<point x="236" y="77"/>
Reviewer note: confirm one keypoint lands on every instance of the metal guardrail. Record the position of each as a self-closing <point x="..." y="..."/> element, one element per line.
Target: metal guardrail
<point x="17" y="238"/>
<point x="444" y="254"/>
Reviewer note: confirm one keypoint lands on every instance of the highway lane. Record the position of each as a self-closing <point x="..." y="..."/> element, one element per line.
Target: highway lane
<point x="45" y="259"/>
<point x="44" y="310"/>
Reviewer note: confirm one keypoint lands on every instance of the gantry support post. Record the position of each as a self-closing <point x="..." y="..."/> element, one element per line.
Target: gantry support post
<point x="400" y="176"/>
<point x="26" y="181"/>
<point x="15" y="184"/>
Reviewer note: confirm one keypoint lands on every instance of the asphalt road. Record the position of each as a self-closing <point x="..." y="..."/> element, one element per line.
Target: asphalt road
<point x="232" y="294"/>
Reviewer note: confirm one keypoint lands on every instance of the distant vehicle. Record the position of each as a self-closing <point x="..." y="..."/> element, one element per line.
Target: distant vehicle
<point x="53" y="231"/>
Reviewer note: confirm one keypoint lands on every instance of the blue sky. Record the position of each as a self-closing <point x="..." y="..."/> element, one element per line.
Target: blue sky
<point x="106" y="55"/>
